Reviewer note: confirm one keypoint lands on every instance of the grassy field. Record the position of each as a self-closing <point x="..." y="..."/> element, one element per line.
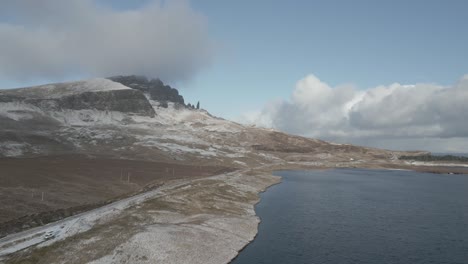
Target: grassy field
<point x="35" y="191"/>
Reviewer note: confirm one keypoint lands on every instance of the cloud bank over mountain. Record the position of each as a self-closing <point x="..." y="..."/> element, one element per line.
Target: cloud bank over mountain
<point x="56" y="39"/>
<point x="424" y="116"/>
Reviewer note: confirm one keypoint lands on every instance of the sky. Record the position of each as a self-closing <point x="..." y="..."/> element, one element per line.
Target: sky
<point x="386" y="74"/>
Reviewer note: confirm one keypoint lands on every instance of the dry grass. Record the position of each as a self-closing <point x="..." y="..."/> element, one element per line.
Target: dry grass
<point x="73" y="184"/>
<point x="193" y="203"/>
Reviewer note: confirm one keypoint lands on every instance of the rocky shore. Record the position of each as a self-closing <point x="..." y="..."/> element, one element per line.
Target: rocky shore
<point x="206" y="220"/>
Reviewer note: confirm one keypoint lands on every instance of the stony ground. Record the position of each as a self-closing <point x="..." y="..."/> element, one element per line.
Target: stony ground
<point x="206" y="220"/>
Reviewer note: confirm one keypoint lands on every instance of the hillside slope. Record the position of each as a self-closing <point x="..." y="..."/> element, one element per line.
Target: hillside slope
<point x="100" y="120"/>
<point x="67" y="148"/>
<point x="101" y="117"/>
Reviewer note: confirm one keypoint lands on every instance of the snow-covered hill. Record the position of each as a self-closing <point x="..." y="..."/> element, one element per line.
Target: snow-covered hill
<point x="121" y="131"/>
<point x="56" y="90"/>
<point x="102" y="117"/>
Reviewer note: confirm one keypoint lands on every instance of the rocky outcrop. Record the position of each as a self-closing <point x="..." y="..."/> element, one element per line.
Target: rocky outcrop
<point x="99" y="94"/>
<point x="126" y="101"/>
<point x="8" y="98"/>
<point x="155" y="88"/>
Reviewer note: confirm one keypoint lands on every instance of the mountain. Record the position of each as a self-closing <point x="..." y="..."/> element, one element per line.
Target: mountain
<point x="108" y="144"/>
<point x="103" y="117"/>
<point x="106" y="119"/>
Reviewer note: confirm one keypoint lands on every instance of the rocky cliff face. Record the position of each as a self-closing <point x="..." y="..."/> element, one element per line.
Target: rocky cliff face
<point x="157" y="90"/>
<point x="38" y="120"/>
<point x="97" y="94"/>
<point x="127" y="101"/>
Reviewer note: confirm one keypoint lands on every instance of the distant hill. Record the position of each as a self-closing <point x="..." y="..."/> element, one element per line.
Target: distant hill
<point x="429" y="157"/>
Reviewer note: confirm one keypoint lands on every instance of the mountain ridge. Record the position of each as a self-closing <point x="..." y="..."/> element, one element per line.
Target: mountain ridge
<point x="82" y="150"/>
<point x="102" y="111"/>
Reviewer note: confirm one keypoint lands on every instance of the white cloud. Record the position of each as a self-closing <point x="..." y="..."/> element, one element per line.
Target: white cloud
<point x="385" y="116"/>
<point x="56" y="38"/>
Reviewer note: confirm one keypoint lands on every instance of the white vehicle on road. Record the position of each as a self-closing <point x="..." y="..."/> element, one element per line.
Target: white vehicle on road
<point x="49" y="235"/>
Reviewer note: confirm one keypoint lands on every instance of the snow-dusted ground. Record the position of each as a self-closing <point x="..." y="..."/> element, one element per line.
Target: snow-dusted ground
<point x="208" y="237"/>
<point x="19" y="110"/>
<point x="57" y="90"/>
<point x="213" y="218"/>
<point x="75" y="224"/>
<point x="422" y="163"/>
<point x="13" y="148"/>
<point x="175" y="129"/>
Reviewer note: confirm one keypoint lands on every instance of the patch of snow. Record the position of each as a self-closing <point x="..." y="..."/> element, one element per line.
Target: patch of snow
<point x="268" y="156"/>
<point x="18" y="110"/>
<point x="180" y="137"/>
<point x="240" y="162"/>
<point x="57" y="90"/>
<point x="12" y="148"/>
<point x="176" y="148"/>
<point x="88" y="117"/>
<point x="421" y="163"/>
<point x="75" y="224"/>
<point x="234" y="155"/>
<point x="223" y="128"/>
<point x="29" y="242"/>
<point x="309" y="163"/>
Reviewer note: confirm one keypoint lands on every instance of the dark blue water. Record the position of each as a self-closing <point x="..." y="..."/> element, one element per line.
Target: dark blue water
<point x="362" y="216"/>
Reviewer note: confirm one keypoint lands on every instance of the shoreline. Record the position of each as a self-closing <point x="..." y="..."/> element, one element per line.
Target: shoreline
<point x="272" y="238"/>
<point x="437" y="170"/>
<point x="212" y="218"/>
<point x="259" y="218"/>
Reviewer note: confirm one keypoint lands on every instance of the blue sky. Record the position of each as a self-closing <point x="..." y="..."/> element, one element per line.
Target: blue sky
<point x="264" y="47"/>
<point x="267" y="46"/>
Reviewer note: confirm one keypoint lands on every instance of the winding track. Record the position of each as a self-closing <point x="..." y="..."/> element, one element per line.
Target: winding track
<point x="78" y="223"/>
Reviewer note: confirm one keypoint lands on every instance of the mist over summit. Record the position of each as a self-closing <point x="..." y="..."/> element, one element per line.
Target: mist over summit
<point x="56" y="40"/>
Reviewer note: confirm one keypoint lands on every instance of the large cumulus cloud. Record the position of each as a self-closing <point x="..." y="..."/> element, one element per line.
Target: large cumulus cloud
<point x="394" y="116"/>
<point x="56" y="38"/>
